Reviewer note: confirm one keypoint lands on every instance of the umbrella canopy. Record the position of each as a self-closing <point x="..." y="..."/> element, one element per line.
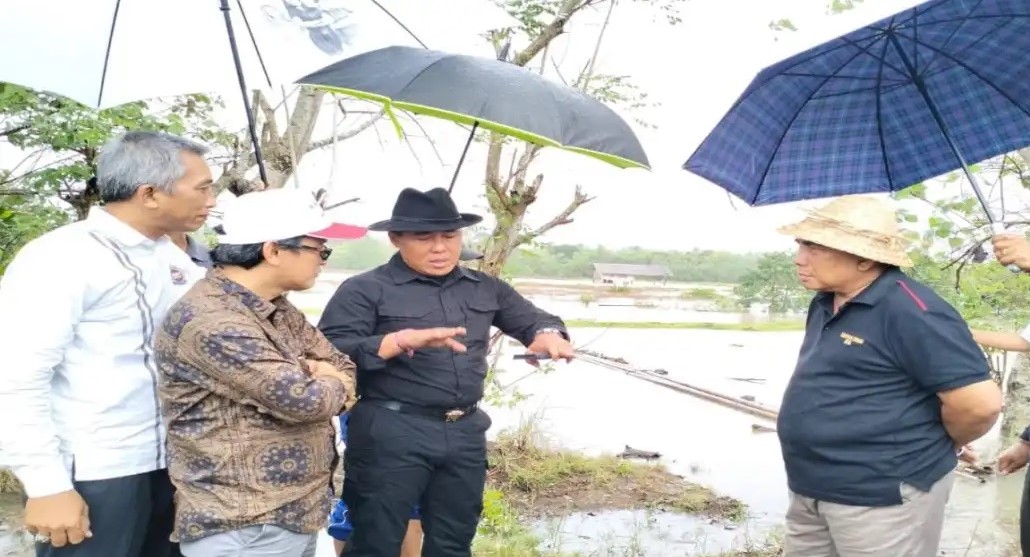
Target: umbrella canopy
<point x="485" y="93"/>
<point x="907" y="98"/>
<point x="104" y="53"/>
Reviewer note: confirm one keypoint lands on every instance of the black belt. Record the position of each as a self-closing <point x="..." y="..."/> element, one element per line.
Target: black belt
<point x="452" y="414"/>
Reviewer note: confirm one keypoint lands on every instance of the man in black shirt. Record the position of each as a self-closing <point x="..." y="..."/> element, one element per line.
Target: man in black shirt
<point x="418" y="329"/>
<point x="888" y="387"/>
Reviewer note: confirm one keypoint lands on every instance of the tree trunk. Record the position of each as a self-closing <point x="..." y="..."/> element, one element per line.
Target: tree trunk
<point x="282" y="151"/>
<point x="510" y="198"/>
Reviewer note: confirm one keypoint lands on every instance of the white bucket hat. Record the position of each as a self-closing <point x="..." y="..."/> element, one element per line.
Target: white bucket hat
<point x="278" y="214"/>
<point x="860" y="225"/>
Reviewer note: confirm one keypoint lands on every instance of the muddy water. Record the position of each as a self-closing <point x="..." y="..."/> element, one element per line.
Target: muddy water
<point x="599" y="410"/>
<point x="13" y="543"/>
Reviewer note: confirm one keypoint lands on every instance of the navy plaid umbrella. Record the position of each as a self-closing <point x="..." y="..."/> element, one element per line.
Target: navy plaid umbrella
<point x="908" y="98"/>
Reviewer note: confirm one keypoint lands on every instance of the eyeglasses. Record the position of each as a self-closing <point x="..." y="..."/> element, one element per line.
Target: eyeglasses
<point x="322" y="252"/>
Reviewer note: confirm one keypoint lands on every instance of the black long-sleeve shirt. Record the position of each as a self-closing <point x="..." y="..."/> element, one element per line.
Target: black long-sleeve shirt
<point x="393" y="297"/>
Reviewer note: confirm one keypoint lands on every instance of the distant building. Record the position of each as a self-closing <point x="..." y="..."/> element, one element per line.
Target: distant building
<point x="622" y="274"/>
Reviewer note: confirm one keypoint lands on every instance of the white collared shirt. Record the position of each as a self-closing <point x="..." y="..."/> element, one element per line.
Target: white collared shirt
<point x="78" y="381"/>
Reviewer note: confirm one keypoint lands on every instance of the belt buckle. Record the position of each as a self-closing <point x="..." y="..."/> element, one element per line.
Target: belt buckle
<point x="453" y="415"/>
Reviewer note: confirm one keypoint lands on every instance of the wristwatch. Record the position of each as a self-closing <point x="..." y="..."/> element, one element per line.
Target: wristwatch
<point x="550" y="331"/>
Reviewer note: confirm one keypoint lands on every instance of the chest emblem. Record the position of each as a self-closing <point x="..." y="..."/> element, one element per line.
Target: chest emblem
<point x="178" y="275"/>
<point x="850" y="339"/>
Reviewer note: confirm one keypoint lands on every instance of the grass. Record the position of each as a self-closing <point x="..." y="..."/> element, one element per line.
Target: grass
<point x="531" y="479"/>
<point x="9" y="483"/>
<point x="763" y="326"/>
<point x="538" y="480"/>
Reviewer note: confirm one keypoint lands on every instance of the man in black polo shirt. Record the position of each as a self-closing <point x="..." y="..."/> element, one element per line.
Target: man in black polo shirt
<point x="888" y="387"/>
<point x="417" y="329"/>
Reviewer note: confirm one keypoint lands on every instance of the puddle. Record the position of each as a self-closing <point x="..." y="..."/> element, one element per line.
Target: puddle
<point x="13" y="542"/>
<point x="648" y="534"/>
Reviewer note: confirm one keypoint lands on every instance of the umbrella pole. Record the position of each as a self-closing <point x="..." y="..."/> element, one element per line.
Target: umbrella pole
<point x="468" y="143"/>
<point x="243" y="90"/>
<point x="920" y="84"/>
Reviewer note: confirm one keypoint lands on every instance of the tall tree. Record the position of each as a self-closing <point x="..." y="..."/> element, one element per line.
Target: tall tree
<point x="773" y="281"/>
<point x="286" y="139"/>
<point x="510" y="192"/>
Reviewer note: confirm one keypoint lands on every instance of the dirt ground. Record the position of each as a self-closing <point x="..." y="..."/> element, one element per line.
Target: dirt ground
<point x="543" y="481"/>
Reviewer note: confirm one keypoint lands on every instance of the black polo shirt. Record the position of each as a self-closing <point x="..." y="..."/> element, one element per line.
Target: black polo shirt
<point x="861" y="413"/>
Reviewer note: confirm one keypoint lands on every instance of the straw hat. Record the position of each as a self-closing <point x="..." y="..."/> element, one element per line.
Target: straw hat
<point x="860" y="225"/>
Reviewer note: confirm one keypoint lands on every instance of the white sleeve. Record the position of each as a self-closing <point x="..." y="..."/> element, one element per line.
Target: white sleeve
<point x="41" y="303"/>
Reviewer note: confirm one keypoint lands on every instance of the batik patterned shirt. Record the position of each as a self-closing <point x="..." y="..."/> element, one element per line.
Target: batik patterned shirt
<point x="250" y="435"/>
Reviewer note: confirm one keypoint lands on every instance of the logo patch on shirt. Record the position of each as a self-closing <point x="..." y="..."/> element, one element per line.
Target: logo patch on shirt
<point x="178" y="275"/>
<point x="850" y="339"/>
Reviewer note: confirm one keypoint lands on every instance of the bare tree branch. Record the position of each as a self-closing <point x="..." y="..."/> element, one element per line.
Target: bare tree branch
<point x="550" y="31"/>
<point x="562" y="218"/>
<point x="14" y="129"/>
<point x="325" y="142"/>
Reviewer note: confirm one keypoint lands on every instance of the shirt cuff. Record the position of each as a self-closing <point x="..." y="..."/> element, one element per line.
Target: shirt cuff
<point x="370" y="360"/>
<point x="560" y="327"/>
<point x="40" y="481"/>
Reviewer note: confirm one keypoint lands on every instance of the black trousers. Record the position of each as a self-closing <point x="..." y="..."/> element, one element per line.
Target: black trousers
<point x="394" y="461"/>
<point x="130" y="517"/>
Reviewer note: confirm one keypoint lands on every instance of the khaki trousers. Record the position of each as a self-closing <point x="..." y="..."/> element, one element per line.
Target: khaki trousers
<point x="911" y="529"/>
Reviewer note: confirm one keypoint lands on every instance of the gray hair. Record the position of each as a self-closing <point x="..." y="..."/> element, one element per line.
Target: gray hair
<point x="247" y="256"/>
<point x="142" y="158"/>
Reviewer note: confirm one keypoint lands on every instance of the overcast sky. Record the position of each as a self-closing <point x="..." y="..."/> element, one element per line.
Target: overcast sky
<point x="695" y="70"/>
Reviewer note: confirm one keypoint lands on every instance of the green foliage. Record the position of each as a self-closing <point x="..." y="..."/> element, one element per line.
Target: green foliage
<point x="70" y="134"/>
<point x="575" y="261"/>
<point x="946" y="248"/>
<point x="22" y="220"/>
<point x="774" y="281"/>
<point x="832" y="7"/>
<point x="60" y="140"/>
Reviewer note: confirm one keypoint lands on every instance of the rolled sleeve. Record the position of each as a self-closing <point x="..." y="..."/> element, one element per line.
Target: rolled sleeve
<point x="41" y="309"/>
<point x="936" y="348"/>
<point x="349" y="323"/>
<point x="520" y="319"/>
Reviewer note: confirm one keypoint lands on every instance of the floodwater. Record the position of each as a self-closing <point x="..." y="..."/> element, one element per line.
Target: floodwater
<point x="595" y="409"/>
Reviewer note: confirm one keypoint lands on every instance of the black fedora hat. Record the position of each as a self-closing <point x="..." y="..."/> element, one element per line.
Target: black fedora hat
<point x="429" y="211"/>
<point x="469" y="254"/>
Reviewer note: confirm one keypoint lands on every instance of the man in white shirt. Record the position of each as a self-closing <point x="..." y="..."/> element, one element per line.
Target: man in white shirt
<point x="78" y="386"/>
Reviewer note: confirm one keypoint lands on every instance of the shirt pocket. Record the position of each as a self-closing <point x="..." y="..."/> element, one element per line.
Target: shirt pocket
<point x="479" y="317"/>
<point x="418" y="315"/>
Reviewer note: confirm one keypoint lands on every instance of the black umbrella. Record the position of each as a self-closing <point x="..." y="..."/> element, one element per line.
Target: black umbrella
<point x="487" y="93"/>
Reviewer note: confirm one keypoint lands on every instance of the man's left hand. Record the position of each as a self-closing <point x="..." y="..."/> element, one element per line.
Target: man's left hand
<point x="552" y="344"/>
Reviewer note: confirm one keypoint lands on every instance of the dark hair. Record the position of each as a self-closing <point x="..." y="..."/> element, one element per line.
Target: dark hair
<point x="246" y="256"/>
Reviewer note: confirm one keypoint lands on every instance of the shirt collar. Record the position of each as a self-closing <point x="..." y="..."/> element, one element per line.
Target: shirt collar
<point x="255" y="303"/>
<point x="198" y="252"/>
<point x="118" y="230"/>
<point x="401" y="273"/>
<point x="872" y="294"/>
